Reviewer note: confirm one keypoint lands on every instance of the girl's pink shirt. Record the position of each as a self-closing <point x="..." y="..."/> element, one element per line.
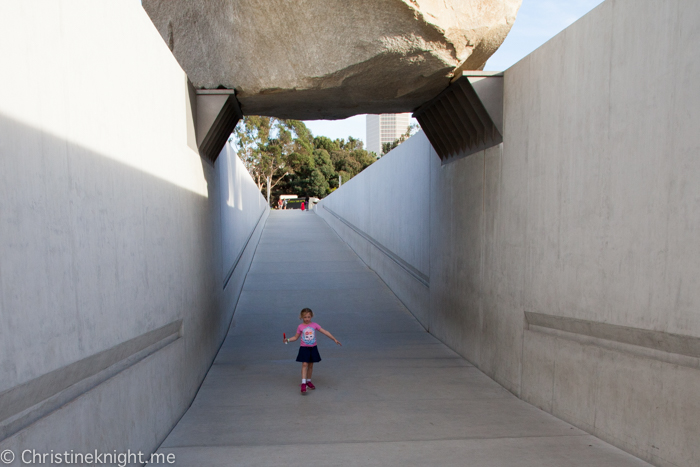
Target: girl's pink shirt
<point x="307" y="334"/>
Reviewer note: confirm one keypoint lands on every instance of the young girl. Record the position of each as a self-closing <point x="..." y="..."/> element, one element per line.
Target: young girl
<point x="308" y="353"/>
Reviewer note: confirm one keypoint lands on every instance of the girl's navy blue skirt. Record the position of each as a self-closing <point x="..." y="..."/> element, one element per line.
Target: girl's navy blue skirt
<point x="308" y="354"/>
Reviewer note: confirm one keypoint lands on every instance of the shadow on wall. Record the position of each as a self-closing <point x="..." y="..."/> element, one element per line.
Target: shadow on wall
<point x="242" y="208"/>
<point x="102" y="265"/>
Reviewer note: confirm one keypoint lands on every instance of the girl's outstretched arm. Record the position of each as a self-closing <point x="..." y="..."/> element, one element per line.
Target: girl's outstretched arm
<point x="323" y="331"/>
<point x="292" y="339"/>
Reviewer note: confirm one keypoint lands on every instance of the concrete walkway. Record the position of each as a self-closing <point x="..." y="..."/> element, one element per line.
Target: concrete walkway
<point x="392" y="395"/>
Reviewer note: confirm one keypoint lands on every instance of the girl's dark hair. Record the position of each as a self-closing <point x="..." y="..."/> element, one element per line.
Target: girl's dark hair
<point x="306" y="310"/>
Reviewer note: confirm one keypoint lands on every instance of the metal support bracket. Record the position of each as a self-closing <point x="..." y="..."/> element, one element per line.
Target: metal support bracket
<point x="217" y="113"/>
<point x="465" y="118"/>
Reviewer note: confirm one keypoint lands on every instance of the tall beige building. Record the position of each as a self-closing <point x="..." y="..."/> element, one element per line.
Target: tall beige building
<point x="385" y="128"/>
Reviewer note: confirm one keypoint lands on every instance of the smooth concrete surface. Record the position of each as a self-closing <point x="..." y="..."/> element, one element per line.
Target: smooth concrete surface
<point x="110" y="229"/>
<point x="391" y="395"/>
<point x="399" y="228"/>
<point x="242" y="207"/>
<point x="603" y="177"/>
<point x="588" y="213"/>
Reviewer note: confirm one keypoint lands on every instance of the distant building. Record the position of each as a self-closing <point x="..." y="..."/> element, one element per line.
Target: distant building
<point x="385" y="128"/>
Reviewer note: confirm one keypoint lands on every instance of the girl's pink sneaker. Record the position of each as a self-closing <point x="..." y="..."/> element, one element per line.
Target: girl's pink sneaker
<point x="310" y="385"/>
<point x="303" y="389"/>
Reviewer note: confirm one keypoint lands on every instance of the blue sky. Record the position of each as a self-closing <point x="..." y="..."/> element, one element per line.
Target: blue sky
<point x="537" y="22"/>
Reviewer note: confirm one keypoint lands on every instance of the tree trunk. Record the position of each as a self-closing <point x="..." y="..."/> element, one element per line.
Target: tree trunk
<point x="269" y="187"/>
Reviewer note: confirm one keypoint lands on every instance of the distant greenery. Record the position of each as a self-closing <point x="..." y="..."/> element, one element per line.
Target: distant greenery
<point x="386" y="147"/>
<point x="285" y="158"/>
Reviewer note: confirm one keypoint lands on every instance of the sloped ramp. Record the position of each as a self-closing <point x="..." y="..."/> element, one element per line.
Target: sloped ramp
<point x="392" y="395"/>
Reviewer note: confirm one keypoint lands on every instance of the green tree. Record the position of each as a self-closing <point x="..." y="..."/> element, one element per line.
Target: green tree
<point x="386" y="147"/>
<point x="249" y="135"/>
<point x="283" y="154"/>
<point x="265" y="145"/>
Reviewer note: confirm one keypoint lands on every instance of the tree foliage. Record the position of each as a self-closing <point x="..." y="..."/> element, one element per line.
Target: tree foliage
<point x="283" y="155"/>
<point x="386" y="147"/>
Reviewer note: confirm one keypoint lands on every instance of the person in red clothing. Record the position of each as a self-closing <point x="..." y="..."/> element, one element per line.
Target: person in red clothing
<point x="308" y="353"/>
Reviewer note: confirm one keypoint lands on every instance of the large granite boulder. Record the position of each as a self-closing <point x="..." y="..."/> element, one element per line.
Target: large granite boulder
<point x="312" y="59"/>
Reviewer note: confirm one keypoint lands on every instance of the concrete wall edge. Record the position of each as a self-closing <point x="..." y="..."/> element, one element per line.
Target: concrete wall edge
<point x="265" y="212"/>
<point x="374" y="261"/>
<point x="38" y="398"/>
<point x="419" y="276"/>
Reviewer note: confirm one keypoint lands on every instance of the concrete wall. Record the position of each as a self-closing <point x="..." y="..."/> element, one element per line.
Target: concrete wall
<point x="112" y="297"/>
<point x="564" y="262"/>
<point x="242" y="208"/>
<point x="611" y="218"/>
<point x="383" y="214"/>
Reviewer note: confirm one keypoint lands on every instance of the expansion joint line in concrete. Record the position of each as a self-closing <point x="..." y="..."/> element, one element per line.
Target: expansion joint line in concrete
<point x="409" y="440"/>
<point x="422" y="278"/>
<point x="31" y="401"/>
